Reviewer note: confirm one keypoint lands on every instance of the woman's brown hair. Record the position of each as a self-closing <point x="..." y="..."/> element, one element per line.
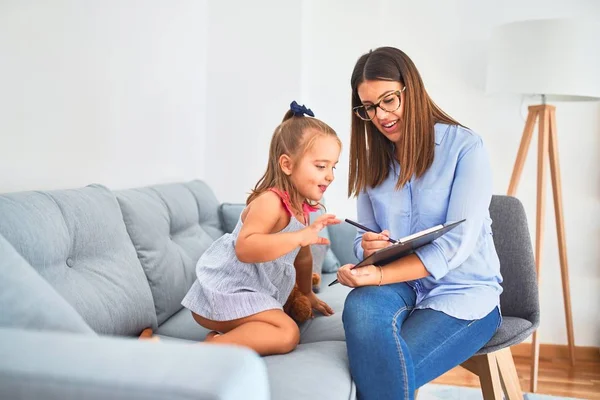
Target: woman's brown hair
<point x="294" y="136"/>
<point x="371" y="153"/>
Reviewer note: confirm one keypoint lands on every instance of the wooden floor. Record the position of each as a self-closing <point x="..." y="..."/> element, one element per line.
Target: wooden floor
<point x="556" y="377"/>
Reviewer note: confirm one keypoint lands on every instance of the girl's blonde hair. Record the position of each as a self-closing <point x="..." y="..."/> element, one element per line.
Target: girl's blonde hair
<point x="294" y="137"/>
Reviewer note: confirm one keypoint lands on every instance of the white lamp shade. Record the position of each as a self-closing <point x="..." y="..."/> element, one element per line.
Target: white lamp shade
<point x="559" y="58"/>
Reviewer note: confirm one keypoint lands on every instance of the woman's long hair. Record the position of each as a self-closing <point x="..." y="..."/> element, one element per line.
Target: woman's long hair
<point x="371" y="153"/>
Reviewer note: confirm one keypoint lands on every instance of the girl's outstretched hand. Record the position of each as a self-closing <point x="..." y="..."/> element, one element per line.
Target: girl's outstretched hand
<point x="369" y="275"/>
<point x="319" y="304"/>
<point x="310" y="234"/>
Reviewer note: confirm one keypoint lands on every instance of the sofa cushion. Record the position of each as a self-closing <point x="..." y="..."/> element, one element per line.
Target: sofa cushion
<point x="311" y="371"/>
<point x="229" y="214"/>
<point x="342" y="242"/>
<point x="76" y="240"/>
<point x="66" y="366"/>
<point x="334" y="295"/>
<point x="318" y="252"/>
<point x="330" y="262"/>
<point x="27" y="301"/>
<point x="170" y="226"/>
<point x="300" y="374"/>
<point x="181" y="325"/>
<point x="322" y="328"/>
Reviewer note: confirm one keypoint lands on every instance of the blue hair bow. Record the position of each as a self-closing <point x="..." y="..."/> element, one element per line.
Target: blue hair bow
<point x="298" y="109"/>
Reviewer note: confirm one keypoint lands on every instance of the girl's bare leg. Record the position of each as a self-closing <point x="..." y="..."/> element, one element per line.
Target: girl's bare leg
<point x="268" y="332"/>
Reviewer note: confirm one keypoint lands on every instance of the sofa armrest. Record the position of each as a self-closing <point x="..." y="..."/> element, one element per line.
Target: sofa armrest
<point x="342" y="242"/>
<point x="51" y="365"/>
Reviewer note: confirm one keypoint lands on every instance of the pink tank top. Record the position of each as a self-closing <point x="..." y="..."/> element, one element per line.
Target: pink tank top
<point x="285" y="199"/>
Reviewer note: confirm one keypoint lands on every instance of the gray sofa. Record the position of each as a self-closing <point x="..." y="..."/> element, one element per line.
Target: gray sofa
<point x="84" y="271"/>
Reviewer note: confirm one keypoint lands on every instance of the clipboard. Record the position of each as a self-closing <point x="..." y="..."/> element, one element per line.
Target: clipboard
<point x="406" y="246"/>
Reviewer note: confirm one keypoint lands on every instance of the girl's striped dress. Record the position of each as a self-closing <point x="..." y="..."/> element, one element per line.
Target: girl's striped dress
<point x="227" y="289"/>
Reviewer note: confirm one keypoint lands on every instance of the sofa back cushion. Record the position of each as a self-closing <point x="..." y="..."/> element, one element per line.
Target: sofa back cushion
<point x="27" y="301"/>
<point x="77" y="241"/>
<point x="229" y="214"/>
<point x="170" y="226"/>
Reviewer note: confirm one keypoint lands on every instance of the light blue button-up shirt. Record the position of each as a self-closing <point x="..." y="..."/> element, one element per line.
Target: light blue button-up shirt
<point x="465" y="270"/>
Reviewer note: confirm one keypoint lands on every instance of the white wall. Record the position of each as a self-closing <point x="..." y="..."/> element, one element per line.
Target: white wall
<point x="129" y="93"/>
<point x="109" y="92"/>
<point x="253" y="75"/>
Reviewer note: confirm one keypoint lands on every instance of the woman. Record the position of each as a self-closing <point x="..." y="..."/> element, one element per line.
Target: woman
<point x="413" y="167"/>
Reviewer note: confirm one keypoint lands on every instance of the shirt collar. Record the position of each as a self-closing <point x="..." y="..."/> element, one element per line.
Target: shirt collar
<point x="440" y="131"/>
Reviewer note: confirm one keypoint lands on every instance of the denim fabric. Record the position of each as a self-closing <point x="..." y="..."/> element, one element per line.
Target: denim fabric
<point x="393" y="348"/>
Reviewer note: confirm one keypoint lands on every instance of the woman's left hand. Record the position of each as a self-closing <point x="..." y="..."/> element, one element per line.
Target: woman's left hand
<point x="369" y="275"/>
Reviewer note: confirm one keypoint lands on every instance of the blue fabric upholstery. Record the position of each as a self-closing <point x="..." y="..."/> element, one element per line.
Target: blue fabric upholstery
<point x="312" y="371"/>
<point x="342" y="242"/>
<point x="28" y="301"/>
<point x="170" y="227"/>
<point x="122" y="262"/>
<point x="323" y="328"/>
<point x="519" y="302"/>
<point x="328" y="261"/>
<point x="181" y="325"/>
<point x="229" y="214"/>
<point x="62" y="366"/>
<point x="77" y="241"/>
<point x="331" y="262"/>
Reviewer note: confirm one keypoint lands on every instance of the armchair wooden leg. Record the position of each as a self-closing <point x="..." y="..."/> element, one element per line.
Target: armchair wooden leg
<point x="486" y="367"/>
<point x="508" y="375"/>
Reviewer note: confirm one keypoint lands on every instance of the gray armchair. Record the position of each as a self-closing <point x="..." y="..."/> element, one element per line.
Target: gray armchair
<point x="519" y="302"/>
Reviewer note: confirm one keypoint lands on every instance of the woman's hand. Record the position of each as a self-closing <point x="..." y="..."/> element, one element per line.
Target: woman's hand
<point x="371" y="242"/>
<point x="369" y="275"/>
<point x="310" y="234"/>
<point x="319" y="304"/>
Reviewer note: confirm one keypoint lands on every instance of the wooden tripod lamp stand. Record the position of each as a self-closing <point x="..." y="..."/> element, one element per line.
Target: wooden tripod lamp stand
<point x="558" y="59"/>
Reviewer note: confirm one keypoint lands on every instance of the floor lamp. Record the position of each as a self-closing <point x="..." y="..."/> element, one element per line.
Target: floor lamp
<point x="559" y="60"/>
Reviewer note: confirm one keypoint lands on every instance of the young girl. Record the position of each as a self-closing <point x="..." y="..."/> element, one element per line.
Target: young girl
<point x="415" y="318"/>
<point x="244" y="278"/>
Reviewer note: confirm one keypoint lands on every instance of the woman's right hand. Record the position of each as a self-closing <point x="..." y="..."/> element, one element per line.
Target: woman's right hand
<point x="310" y="234"/>
<point x="371" y="242"/>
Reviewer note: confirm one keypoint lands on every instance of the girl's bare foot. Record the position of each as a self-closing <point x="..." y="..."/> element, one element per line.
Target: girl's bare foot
<point x="148" y="336"/>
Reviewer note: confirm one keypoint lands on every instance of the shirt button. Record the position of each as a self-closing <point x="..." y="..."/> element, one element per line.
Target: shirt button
<point x="70" y="262"/>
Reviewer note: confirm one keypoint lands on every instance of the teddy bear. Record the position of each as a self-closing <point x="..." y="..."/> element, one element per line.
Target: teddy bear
<point x="297" y="305"/>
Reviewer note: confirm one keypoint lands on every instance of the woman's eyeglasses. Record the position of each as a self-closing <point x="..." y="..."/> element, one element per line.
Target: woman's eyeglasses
<point x="389" y="103"/>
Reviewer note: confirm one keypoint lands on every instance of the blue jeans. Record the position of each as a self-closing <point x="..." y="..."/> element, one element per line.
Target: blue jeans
<point x="393" y="349"/>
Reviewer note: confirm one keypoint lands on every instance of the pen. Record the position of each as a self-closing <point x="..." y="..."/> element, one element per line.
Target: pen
<point x="364" y="228"/>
